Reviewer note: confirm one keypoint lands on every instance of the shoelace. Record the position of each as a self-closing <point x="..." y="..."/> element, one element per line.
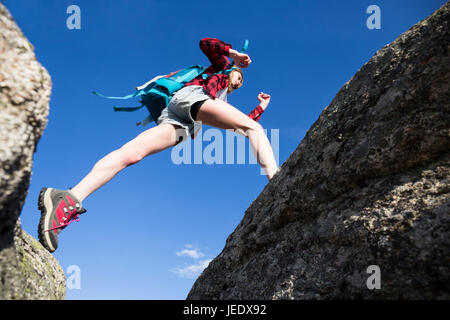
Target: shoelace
<point x="73" y="215"/>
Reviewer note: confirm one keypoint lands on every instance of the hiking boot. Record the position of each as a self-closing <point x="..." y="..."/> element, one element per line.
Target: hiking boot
<point x="59" y="208"/>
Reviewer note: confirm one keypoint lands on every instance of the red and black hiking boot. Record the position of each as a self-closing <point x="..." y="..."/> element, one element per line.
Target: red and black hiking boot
<point x="59" y="208"/>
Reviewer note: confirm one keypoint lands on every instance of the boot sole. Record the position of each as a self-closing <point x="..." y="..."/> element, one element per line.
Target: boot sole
<point x="45" y="205"/>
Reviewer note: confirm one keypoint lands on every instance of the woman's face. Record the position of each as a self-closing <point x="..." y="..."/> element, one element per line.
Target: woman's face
<point x="236" y="79"/>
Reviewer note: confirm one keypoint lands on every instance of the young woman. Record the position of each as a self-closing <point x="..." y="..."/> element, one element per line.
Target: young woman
<point x="202" y="100"/>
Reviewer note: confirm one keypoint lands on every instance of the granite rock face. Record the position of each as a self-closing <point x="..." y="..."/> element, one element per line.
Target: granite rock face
<point x="368" y="185"/>
<point x="27" y="270"/>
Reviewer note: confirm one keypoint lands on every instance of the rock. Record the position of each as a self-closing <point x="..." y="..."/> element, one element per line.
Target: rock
<point x="27" y="270"/>
<point x="368" y="185"/>
<point x="44" y="277"/>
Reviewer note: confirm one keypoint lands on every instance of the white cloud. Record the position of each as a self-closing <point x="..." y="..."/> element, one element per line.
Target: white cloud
<point x="190" y="253"/>
<point x="192" y="270"/>
<point x="193" y="253"/>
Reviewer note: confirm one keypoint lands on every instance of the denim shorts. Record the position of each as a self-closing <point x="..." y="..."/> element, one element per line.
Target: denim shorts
<point x="178" y="111"/>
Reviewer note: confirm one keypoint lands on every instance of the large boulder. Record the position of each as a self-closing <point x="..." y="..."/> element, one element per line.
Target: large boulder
<point x="27" y="270"/>
<point x="368" y="185"/>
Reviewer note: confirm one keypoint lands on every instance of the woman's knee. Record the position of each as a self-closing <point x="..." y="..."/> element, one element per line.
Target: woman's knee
<point x="113" y="161"/>
<point x="130" y="153"/>
<point x="251" y="128"/>
<point x="149" y="142"/>
<point x="133" y="158"/>
<point x="256" y="126"/>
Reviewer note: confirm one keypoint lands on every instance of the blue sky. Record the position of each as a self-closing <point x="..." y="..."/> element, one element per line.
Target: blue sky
<point x="150" y="230"/>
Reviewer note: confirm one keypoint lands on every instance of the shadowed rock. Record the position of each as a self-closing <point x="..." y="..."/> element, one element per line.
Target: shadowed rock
<point x="27" y="270"/>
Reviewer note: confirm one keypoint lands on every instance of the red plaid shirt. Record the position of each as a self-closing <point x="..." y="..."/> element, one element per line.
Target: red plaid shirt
<point x="216" y="51"/>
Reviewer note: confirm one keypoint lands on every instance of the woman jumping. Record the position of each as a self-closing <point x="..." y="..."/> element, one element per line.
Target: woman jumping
<point x="204" y="100"/>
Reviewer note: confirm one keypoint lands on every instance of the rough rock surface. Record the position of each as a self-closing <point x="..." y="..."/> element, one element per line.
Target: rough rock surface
<point x="27" y="270"/>
<point x="368" y="185"/>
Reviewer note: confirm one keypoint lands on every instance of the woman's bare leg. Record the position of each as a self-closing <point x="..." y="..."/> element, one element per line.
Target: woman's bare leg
<point x="218" y="113"/>
<point x="151" y="141"/>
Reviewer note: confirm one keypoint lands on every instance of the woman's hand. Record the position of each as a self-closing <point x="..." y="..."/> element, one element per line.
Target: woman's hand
<point x="241" y="60"/>
<point x="264" y="99"/>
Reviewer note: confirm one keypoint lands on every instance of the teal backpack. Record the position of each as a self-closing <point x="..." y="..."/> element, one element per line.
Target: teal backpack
<point x="157" y="94"/>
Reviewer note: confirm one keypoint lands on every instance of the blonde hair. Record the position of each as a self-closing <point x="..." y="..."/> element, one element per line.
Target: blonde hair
<point x="230" y="87"/>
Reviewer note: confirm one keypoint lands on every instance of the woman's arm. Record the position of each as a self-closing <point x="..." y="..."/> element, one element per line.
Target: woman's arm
<point x="264" y="100"/>
<point x="240" y="59"/>
<point x="256" y="113"/>
<point x="217" y="51"/>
